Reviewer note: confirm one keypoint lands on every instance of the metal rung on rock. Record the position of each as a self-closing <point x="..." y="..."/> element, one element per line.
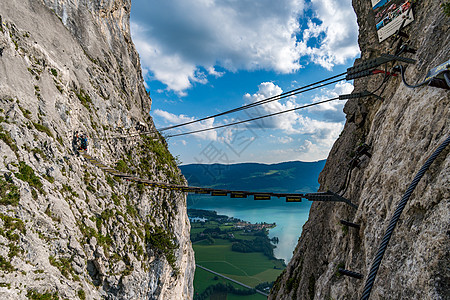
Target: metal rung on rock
<point x="363" y="150"/>
<point x="375" y="62"/>
<point x="358" y="95"/>
<point x="350" y="224"/>
<point x="350" y="273"/>
<point x="328" y="196"/>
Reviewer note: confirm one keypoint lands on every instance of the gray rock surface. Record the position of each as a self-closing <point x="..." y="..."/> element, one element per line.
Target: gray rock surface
<point x="402" y="131"/>
<point x="66" y="227"/>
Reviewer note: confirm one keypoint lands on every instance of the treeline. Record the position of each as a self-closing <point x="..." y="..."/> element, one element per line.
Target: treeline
<point x="221" y="287"/>
<point x="259" y="244"/>
<point x="210" y="233"/>
<point x="216" y="231"/>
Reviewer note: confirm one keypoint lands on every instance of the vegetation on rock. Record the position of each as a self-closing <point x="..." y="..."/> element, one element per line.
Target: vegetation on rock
<point x="164" y="242"/>
<point x="26" y="173"/>
<point x="9" y="193"/>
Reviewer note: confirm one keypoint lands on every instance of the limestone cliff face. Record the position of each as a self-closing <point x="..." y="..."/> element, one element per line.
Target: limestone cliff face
<point x="67" y="229"/>
<point x="402" y="131"/>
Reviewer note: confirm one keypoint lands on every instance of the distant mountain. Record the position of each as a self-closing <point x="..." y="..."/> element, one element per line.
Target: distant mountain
<point x="287" y="177"/>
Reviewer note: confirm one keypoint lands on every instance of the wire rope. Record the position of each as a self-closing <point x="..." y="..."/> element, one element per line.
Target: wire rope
<point x="251" y="105"/>
<point x="290" y="93"/>
<point x="253" y="119"/>
<point x="402" y="71"/>
<point x="392" y="224"/>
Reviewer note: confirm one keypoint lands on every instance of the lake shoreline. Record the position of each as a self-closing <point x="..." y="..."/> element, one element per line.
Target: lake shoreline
<point x="288" y="217"/>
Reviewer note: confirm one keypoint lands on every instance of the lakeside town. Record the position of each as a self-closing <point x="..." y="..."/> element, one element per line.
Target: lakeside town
<point x="207" y="223"/>
<point x="220" y="242"/>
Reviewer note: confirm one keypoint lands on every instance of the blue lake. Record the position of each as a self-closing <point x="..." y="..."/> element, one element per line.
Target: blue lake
<point x="289" y="217"/>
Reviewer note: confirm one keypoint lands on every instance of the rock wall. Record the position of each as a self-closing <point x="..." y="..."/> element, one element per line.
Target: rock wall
<point x="402" y="130"/>
<point x="67" y="229"/>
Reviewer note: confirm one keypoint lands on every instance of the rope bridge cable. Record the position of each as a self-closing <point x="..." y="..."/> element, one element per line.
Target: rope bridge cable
<point x="365" y="68"/>
<point x="362" y="69"/>
<point x="290" y="197"/>
<point x="290" y="93"/>
<point x="253" y="119"/>
<point x="341" y="97"/>
<point x="392" y="224"/>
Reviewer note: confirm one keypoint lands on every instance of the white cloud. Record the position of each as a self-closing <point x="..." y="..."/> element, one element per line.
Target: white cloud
<point x="178" y="38"/>
<point x="316" y="149"/>
<point x="163" y="66"/>
<point x="178" y="119"/>
<point x="295" y="122"/>
<point x="285" y="139"/>
<point x="312" y="149"/>
<point x="285" y="121"/>
<point x="319" y="133"/>
<point x="331" y="111"/>
<point x="339" y="31"/>
<point x="174" y="38"/>
<point x="215" y="73"/>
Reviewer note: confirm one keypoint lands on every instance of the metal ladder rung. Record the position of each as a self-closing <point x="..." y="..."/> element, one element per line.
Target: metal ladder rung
<point x="350" y="273"/>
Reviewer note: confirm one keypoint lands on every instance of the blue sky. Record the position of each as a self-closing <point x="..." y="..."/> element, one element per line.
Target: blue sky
<point x="201" y="57"/>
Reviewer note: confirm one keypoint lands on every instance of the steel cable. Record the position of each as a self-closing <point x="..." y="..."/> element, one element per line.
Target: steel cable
<point x="387" y="236"/>
<point x="290" y="93"/>
<point x="402" y="71"/>
<point x="252" y="119"/>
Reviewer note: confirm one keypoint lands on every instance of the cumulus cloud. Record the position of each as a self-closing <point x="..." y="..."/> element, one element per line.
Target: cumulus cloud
<point x="285" y="121"/>
<point x="319" y="135"/>
<point x="321" y="132"/>
<point x="337" y="33"/>
<point x="324" y="133"/>
<point x="215" y="73"/>
<point x="311" y="151"/>
<point x="172" y="119"/>
<point x="303" y="137"/>
<point x="307" y="152"/>
<point x="285" y="139"/>
<point x="314" y="148"/>
<point x="176" y="39"/>
<point x="331" y="111"/>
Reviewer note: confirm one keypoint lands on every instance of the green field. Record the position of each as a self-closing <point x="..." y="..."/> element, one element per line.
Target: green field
<point x="240" y="235"/>
<point x="251" y="262"/>
<point x="203" y="279"/>
<point x="248" y="268"/>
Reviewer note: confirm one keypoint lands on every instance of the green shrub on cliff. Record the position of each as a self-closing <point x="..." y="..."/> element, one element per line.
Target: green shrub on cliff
<point x="163" y="241"/>
<point x="26" y="173"/>
<point x="9" y="193"/>
<point x="446" y="8"/>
